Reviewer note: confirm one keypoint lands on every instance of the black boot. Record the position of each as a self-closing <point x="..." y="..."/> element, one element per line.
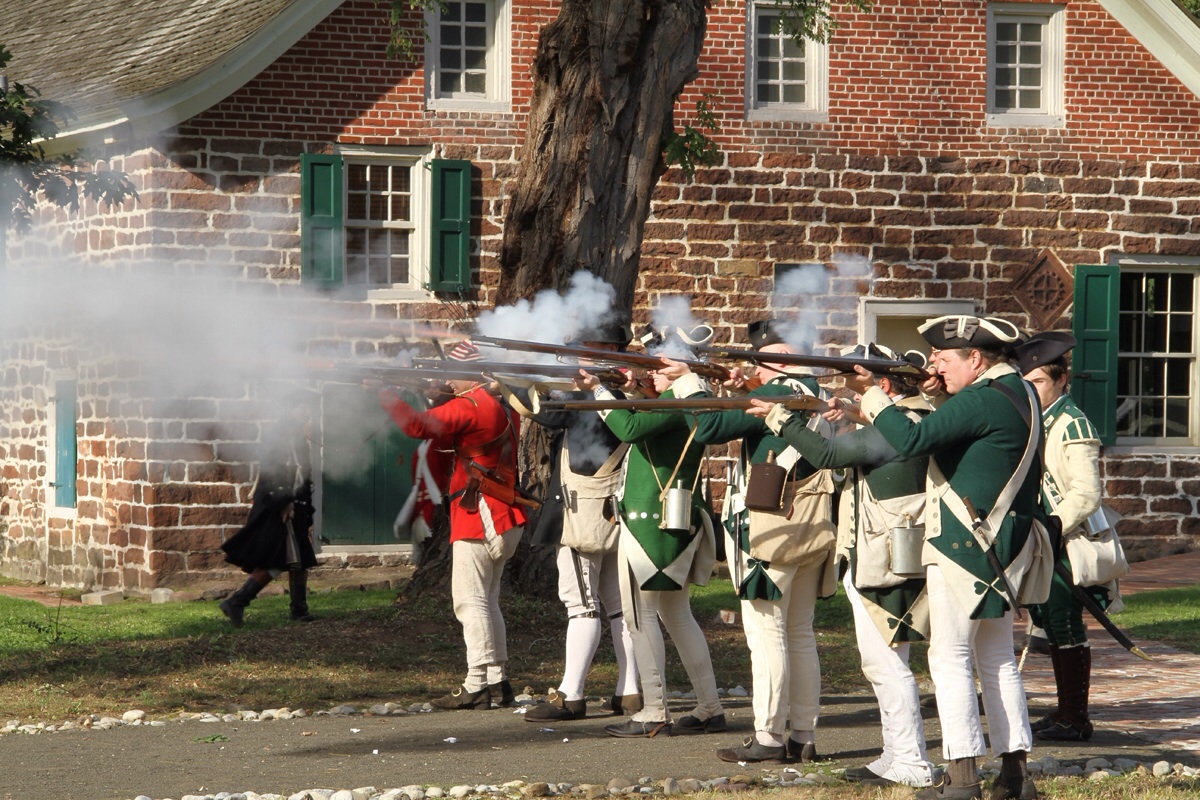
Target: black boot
<point x="1013" y="782"/>
<point x="234" y="606"/>
<point x="1051" y="719"/>
<point x="1071" y="723"/>
<point x="298" y="591"/>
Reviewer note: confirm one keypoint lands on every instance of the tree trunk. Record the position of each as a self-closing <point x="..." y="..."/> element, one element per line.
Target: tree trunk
<point x="605" y="80"/>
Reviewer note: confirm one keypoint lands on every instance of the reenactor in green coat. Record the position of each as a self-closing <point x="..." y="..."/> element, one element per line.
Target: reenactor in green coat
<point x="891" y="609"/>
<point x="1071" y="493"/>
<point x="658" y="557"/>
<point x="778" y="585"/>
<point x="984" y="458"/>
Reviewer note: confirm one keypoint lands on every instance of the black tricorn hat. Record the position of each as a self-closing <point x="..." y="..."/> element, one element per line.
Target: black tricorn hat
<point x="966" y="330"/>
<point x="1041" y="349"/>
<point x="764" y="332"/>
<point x="610" y="332"/>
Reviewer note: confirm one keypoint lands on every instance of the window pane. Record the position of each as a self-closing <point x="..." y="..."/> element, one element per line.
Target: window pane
<point x="1031" y="31"/>
<point x="378" y="207"/>
<point x="476" y="59"/>
<point x="1182" y="292"/>
<point x="1030" y="98"/>
<point x="400" y="208"/>
<point x="1030" y="77"/>
<point x="476" y="83"/>
<point x="452" y="12"/>
<point x="1131" y="291"/>
<point x="476" y="37"/>
<point x="356" y="176"/>
<point x="1006" y="54"/>
<point x="1177" y="417"/>
<point x="451" y="35"/>
<point x="1006" y="76"/>
<point x="768" y="93"/>
<point x="476" y="12"/>
<point x="1031" y="55"/>
<point x="451" y="60"/>
<point x="793" y="70"/>
<point x="1006" y="98"/>
<point x="1178" y="378"/>
<point x="1154" y="329"/>
<point x="356" y="206"/>
<point x="1006" y="31"/>
<point x="793" y="93"/>
<point x="400" y="179"/>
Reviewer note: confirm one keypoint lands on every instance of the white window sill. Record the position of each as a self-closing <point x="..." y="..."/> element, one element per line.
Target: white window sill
<point x="785" y="114"/>
<point x="394" y="294"/>
<point x="1026" y="121"/>
<point x="1150" y="449"/>
<point x="481" y="105"/>
<point x="61" y="512"/>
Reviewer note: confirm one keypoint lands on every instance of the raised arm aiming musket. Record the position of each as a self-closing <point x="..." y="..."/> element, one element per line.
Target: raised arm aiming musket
<point x="703" y="368"/>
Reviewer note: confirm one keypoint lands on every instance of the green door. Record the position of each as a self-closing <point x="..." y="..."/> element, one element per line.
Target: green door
<point x="365" y="469"/>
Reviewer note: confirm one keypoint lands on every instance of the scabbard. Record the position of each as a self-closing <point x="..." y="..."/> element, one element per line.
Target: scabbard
<point x="1089" y="602"/>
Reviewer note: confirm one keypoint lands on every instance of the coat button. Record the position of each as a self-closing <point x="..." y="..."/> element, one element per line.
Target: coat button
<point x="954" y="546"/>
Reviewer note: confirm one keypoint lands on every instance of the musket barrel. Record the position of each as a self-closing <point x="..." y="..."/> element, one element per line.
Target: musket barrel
<point x="796" y="402"/>
<point x="879" y="366"/>
<point x="624" y="358"/>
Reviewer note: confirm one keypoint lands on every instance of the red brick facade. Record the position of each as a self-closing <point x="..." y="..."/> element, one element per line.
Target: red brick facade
<point x="904" y="171"/>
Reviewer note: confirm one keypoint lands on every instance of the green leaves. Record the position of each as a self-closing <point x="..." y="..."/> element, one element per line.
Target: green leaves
<point x="692" y="148"/>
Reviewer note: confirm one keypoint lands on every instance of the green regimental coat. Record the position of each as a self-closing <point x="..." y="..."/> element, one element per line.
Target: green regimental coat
<point x="716" y="427"/>
<point x="900" y="612"/>
<point x="661" y="560"/>
<point x="977" y="438"/>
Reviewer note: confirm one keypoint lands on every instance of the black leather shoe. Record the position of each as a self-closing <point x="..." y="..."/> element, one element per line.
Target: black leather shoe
<point x="750" y="752"/>
<point x="691" y="725"/>
<point x="461" y="698"/>
<point x="1061" y="731"/>
<point x="856" y="774"/>
<point x="557" y="709"/>
<point x="801" y="752"/>
<point x="502" y="694"/>
<point x="620" y="704"/>
<point x="632" y="729"/>
<point x="944" y="791"/>
<point x="1042" y="724"/>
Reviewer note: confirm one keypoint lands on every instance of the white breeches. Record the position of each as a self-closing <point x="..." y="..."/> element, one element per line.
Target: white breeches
<point x="475" y="589"/>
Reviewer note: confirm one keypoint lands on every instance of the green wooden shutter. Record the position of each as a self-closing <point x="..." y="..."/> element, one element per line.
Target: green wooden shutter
<point x="66" y="451"/>
<point x="1094" y="362"/>
<point x="321" y="251"/>
<point x="450" y="265"/>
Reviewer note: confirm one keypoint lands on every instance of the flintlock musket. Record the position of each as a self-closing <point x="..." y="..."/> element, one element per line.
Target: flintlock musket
<point x="693" y="405"/>
<point x="704" y="369"/>
<point x="879" y="366"/>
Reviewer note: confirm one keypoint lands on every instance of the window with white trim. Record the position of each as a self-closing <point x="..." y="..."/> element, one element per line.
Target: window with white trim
<point x="1025" y="64"/>
<point x="467" y="55"/>
<point x="1157" y="347"/>
<point x="785" y="79"/>
<point x="62" y="464"/>
<point x="382" y="212"/>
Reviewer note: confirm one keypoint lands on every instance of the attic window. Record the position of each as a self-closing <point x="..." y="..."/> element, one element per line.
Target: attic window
<point x="467" y="55"/>
<point x="1025" y="65"/>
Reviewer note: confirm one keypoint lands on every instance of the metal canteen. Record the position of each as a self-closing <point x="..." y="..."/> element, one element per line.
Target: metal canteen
<point x="677" y="509"/>
<point x="906" y="544"/>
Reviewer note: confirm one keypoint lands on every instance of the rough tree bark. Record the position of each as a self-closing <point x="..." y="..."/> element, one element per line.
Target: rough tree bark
<point x="605" y="80"/>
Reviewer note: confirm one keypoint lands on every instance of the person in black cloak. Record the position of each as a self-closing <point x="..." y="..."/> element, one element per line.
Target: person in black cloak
<point x="277" y="537"/>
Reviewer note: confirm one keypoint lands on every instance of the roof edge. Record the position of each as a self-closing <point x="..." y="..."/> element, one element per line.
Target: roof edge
<point x="150" y="114"/>
<point x="1167" y="31"/>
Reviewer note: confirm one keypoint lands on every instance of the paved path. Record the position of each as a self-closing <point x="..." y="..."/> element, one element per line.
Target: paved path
<point x="1155" y="701"/>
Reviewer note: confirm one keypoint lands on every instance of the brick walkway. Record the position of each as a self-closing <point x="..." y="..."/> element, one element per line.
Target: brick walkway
<point x="1155" y="701"/>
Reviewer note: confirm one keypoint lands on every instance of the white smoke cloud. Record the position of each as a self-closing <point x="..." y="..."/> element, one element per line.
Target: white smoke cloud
<point x="801" y="298"/>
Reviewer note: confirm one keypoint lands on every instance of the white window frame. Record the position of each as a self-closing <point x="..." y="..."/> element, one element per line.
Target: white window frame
<point x="498" y="97"/>
<point x="816" y="58"/>
<point x="1053" y="17"/>
<point x="870" y="309"/>
<point x="53" y="510"/>
<point x="1170" y="444"/>
<point x="420" y="202"/>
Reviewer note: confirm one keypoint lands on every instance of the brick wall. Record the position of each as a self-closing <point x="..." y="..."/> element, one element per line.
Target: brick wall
<point x="904" y="172"/>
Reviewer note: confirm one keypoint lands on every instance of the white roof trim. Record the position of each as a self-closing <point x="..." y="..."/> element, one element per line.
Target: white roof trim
<point x="162" y="110"/>
<point x="1167" y="32"/>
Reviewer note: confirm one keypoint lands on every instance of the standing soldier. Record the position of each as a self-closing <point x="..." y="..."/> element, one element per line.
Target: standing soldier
<point x="659" y="555"/>
<point x="983" y="442"/>
<point x="778" y="589"/>
<point x="485" y="521"/>
<point x="890" y="609"/>
<point x="586" y="465"/>
<point x="1071" y="493"/>
<point x="277" y="536"/>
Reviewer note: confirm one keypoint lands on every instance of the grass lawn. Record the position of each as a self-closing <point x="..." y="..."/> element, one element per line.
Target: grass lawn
<point x="59" y="663"/>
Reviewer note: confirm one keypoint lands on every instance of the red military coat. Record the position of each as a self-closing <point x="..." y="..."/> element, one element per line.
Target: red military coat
<point x="465" y="423"/>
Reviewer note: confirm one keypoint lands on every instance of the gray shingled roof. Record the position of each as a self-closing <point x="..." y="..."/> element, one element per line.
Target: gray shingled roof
<point x="105" y="58"/>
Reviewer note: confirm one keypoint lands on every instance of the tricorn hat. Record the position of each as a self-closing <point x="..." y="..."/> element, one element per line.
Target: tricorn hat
<point x="965" y="330"/>
<point x="875" y="350"/>
<point x="1041" y="349"/>
<point x="674" y="337"/>
<point x="764" y="332"/>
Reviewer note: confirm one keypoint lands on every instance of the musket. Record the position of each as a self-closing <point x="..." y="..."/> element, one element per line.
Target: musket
<point x="1089" y="602"/>
<point x="979" y="531"/>
<point x="879" y="366"/>
<point x="704" y="369"/>
<point x="693" y="405"/>
<point x="607" y="375"/>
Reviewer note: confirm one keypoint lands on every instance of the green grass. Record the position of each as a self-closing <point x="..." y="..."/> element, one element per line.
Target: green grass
<point x="59" y="663"/>
<point x="1169" y="616"/>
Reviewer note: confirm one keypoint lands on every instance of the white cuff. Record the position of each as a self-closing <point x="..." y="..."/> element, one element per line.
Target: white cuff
<point x="874" y="400"/>
<point x="777" y="417"/>
<point x="689" y="384"/>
